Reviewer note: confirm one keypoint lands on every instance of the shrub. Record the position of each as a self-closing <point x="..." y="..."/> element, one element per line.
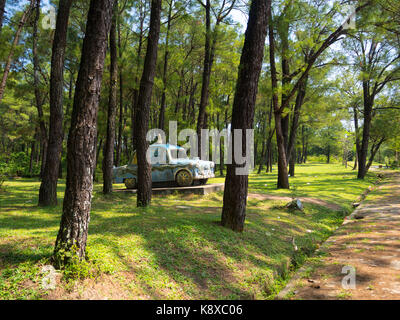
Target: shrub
<point x="17" y="164"/>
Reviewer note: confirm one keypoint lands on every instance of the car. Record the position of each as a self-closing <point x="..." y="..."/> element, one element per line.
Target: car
<point x="176" y="167"/>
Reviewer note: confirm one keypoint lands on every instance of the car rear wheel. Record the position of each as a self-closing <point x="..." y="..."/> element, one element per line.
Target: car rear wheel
<point x="184" y="178"/>
<point x="130" y="183"/>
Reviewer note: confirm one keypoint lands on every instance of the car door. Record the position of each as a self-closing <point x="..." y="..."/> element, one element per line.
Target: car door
<point x="159" y="164"/>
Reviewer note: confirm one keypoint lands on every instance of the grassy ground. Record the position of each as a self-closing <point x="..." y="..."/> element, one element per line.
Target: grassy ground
<point x="176" y="248"/>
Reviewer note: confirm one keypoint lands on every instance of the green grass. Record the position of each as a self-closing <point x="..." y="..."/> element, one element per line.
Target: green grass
<point x="166" y="252"/>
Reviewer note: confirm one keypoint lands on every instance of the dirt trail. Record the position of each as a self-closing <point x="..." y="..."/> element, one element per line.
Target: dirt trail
<point x="369" y="242"/>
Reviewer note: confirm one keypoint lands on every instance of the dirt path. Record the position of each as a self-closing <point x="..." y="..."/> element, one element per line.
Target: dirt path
<point x="367" y="246"/>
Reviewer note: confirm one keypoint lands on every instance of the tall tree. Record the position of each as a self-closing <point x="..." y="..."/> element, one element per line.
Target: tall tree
<point x="165" y="68"/>
<point x="302" y="73"/>
<point x="2" y="11"/>
<point x="10" y="57"/>
<point x="81" y="150"/>
<point x="48" y="187"/>
<point x="236" y="186"/>
<point x="39" y="97"/>
<point x="377" y="61"/>
<point x="143" y="106"/>
<point x="209" y="53"/>
<point x="108" y="158"/>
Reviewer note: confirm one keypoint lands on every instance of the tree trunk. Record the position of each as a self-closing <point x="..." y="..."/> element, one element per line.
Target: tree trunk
<point x="236" y="186"/>
<point x="48" y="187"/>
<point x="39" y="101"/>
<point x="142" y="17"/>
<point x="357" y="133"/>
<point x="2" y="7"/>
<point x="108" y="159"/>
<point x="165" y="69"/>
<point x="12" y="50"/>
<point x="295" y="124"/>
<point x="283" y="180"/>
<point x="143" y="107"/>
<point x="81" y="150"/>
<point x="122" y="121"/>
<point x="208" y="62"/>
<point x="328" y="155"/>
<point x="374" y="150"/>
<point x="362" y="159"/>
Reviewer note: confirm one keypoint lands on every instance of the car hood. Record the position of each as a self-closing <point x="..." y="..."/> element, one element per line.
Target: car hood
<point x="193" y="162"/>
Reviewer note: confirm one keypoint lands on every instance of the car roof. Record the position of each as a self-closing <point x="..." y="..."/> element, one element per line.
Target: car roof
<point x="167" y="146"/>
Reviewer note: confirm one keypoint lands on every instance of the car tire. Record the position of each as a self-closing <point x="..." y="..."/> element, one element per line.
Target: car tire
<point x="184" y="178"/>
<point x="130" y="183"/>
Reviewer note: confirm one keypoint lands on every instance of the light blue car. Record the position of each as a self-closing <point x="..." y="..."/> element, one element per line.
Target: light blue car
<point x="175" y="167"/>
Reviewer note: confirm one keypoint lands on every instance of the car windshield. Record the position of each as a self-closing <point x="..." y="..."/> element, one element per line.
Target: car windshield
<point x="178" y="153"/>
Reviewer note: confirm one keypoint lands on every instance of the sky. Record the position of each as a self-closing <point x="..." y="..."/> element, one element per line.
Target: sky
<point x="240" y="17"/>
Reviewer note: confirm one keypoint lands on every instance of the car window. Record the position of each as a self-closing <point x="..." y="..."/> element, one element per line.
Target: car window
<point x="178" y="153"/>
<point x="157" y="155"/>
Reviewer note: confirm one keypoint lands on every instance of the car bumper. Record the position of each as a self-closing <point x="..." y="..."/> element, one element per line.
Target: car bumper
<point x="205" y="175"/>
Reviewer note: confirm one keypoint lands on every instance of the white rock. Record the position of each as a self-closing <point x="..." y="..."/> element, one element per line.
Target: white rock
<point x="49" y="279"/>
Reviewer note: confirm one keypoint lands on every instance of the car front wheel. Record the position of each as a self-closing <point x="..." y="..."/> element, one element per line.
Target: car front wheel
<point x="184" y="178"/>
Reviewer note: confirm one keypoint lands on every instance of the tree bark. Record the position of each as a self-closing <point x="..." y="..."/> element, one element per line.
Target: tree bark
<point x="122" y="121"/>
<point x="362" y="159"/>
<point x="236" y="186"/>
<point x="283" y="180"/>
<point x="291" y="152"/>
<point x="165" y="69"/>
<point x="374" y="149"/>
<point x="12" y="50"/>
<point x="48" y="187"/>
<point x="2" y="7"/>
<point x="357" y="137"/>
<point x="81" y="150"/>
<point x="142" y="13"/>
<point x="108" y="159"/>
<point x="39" y="101"/>
<point x="143" y="107"/>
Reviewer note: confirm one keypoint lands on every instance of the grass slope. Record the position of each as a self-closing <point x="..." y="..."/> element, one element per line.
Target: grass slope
<point x="176" y="248"/>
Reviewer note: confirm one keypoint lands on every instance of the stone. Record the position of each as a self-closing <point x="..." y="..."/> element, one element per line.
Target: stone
<point x="49" y="279"/>
<point x="295" y="204"/>
<point x="356" y="204"/>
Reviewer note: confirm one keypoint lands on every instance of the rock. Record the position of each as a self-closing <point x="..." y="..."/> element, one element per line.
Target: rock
<point x="356" y="204"/>
<point x="49" y="279"/>
<point x="358" y="216"/>
<point x="295" y="204"/>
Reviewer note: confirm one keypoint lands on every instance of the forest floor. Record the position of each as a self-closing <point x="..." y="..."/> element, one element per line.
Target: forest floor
<point x="368" y="244"/>
<point x="176" y="248"/>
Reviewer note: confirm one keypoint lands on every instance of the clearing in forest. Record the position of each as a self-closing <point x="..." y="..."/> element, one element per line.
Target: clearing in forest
<point x="176" y="248"/>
